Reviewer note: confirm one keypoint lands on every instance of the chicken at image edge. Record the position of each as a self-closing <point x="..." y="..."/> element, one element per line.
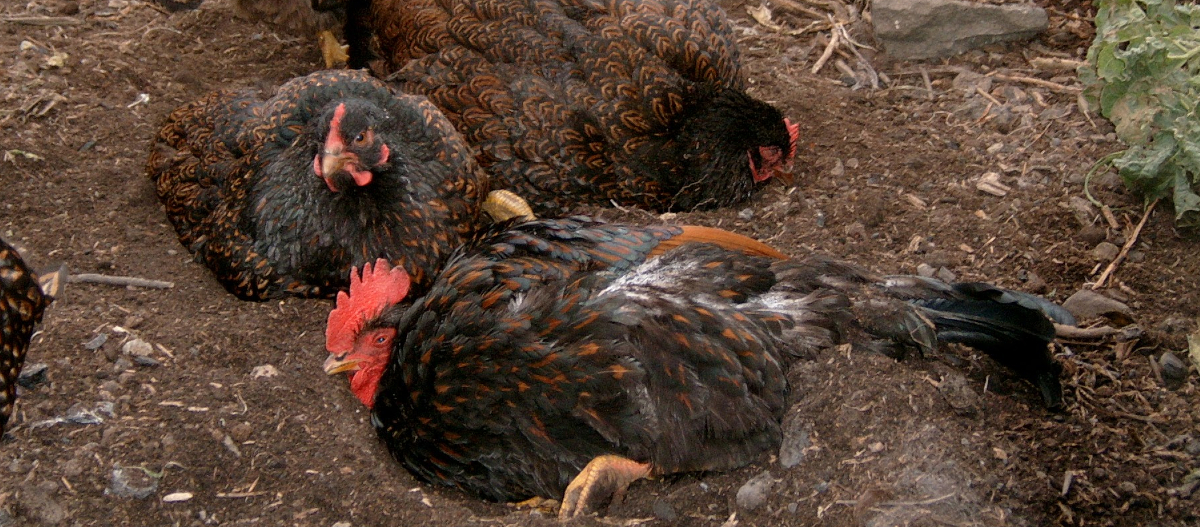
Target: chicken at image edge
<point x="561" y="359"/>
<point x="24" y="297"/>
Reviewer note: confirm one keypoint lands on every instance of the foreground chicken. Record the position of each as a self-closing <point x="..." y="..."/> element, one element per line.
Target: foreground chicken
<point x="561" y="359"/>
<point x="637" y="102"/>
<point x="282" y="196"/>
<point x="21" y="305"/>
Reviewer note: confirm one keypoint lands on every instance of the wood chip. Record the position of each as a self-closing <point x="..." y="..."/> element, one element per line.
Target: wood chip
<point x="989" y="183"/>
<point x="176" y="497"/>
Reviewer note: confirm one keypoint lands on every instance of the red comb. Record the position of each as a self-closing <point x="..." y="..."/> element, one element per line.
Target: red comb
<point x="378" y="288"/>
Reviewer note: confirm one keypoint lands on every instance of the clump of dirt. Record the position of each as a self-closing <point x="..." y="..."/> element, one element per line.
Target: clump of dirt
<point x="227" y="419"/>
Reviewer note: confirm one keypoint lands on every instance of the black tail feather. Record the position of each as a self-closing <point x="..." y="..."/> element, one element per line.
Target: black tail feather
<point x="1010" y="329"/>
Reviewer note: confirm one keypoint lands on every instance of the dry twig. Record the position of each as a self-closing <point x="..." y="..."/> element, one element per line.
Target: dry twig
<point x="122" y="281"/>
<point x="833" y="42"/>
<point x="42" y="20"/>
<point x="1072" y="332"/>
<point x="1108" y="271"/>
<point x="1052" y="86"/>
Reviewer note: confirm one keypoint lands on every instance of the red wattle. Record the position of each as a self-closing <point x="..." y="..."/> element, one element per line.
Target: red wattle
<point x="362" y="178"/>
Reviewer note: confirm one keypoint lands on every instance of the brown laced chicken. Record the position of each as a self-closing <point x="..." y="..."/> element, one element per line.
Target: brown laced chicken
<point x="22" y="303"/>
<point x="281" y="196"/>
<point x="563" y="359"/>
<point x="634" y="102"/>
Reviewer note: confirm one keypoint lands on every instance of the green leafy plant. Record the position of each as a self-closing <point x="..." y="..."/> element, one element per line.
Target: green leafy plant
<point x="1143" y="73"/>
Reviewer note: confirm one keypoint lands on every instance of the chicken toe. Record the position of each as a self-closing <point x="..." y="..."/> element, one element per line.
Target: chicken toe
<point x="333" y="52"/>
<point x="602" y="478"/>
<point x="502" y="205"/>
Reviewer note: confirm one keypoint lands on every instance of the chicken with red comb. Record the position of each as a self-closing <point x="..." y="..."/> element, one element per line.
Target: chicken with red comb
<point x="282" y="194"/>
<point x="568" y="358"/>
<point x="638" y="102"/>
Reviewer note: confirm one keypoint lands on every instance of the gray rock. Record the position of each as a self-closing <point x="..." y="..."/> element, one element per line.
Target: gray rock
<point x="1087" y="304"/>
<point x="754" y="493"/>
<point x="1174" y="371"/>
<point x="795" y="441"/>
<point x="131" y="482"/>
<point x="918" y="29"/>
<point x="946" y="275"/>
<point x="664" y="511"/>
<point x="97" y="342"/>
<point x="33" y="374"/>
<point x="1035" y="283"/>
<point x="925" y="270"/>
<point x="958" y="393"/>
<point x="38" y="504"/>
<point x="137" y="348"/>
<point x="1085" y="213"/>
<point x="1105" y="252"/>
<point x="1193" y="447"/>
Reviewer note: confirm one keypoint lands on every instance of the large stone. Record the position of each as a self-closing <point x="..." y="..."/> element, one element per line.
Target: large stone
<point x="1087" y="304"/>
<point x="920" y="29"/>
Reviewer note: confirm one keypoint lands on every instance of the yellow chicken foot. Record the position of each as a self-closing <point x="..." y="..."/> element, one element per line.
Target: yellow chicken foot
<point x="334" y="53"/>
<point x="502" y="205"/>
<point x="603" y="477"/>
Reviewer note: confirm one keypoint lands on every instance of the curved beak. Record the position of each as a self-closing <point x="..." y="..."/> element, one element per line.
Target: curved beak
<point x="332" y="162"/>
<point x="335" y="364"/>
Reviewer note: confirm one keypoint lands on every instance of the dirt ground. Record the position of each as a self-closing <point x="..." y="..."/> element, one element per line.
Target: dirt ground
<point x="229" y="404"/>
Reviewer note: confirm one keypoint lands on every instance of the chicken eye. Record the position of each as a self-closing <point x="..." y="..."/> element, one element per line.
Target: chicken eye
<point x="380" y="339"/>
<point x="362" y="138"/>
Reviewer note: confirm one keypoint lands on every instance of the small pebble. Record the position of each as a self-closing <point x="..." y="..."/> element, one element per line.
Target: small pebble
<point x="946" y="275"/>
<point x="925" y="270"/>
<point x="1034" y="283"/>
<point x="130" y="482"/>
<point x="746" y="214"/>
<point x="1193" y="447"/>
<point x="137" y="348"/>
<point x="1174" y="371"/>
<point x="1105" y="252"/>
<point x="795" y="441"/>
<point x="755" y="492"/>
<point x="33" y="374"/>
<point x="97" y="342"/>
<point x="1092" y="234"/>
<point x="241" y="432"/>
<point x="142" y="360"/>
<point x="664" y="511"/>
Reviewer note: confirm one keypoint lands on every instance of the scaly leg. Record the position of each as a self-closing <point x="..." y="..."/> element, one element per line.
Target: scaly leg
<point x="603" y="477"/>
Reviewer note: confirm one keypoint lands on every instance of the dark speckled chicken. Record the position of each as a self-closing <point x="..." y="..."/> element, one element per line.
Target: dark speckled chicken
<point x="638" y="102"/>
<point x="562" y="359"/>
<point x="21" y="306"/>
<point x="282" y="196"/>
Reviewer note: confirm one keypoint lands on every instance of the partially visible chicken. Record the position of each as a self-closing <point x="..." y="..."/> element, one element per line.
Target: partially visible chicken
<point x="301" y="17"/>
<point x="282" y="196"/>
<point x="562" y="359"/>
<point x="637" y="102"/>
<point x="22" y="303"/>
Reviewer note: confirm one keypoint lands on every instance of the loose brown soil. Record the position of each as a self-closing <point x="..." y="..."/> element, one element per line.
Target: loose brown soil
<point x="231" y="405"/>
